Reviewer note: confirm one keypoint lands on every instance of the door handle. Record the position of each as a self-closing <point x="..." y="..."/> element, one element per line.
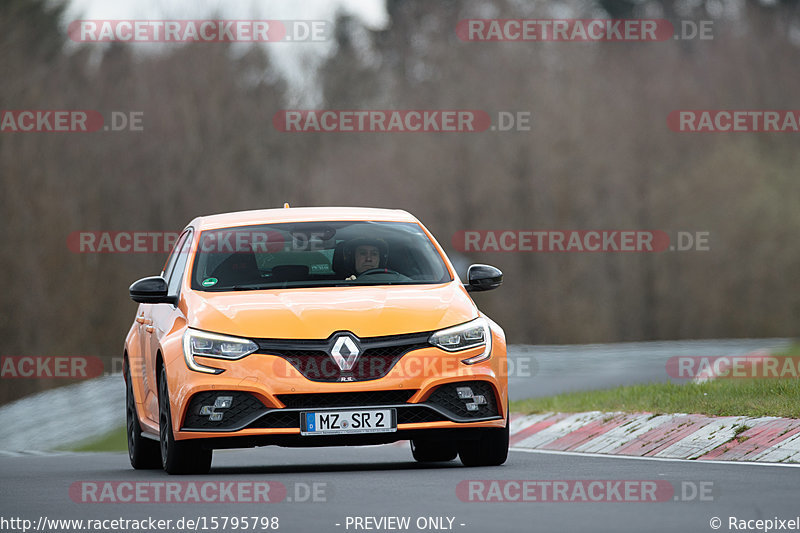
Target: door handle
<point x="149" y="329"/>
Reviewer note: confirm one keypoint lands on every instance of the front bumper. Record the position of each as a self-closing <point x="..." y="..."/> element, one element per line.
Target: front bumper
<point x="268" y="394"/>
<point x="246" y="411"/>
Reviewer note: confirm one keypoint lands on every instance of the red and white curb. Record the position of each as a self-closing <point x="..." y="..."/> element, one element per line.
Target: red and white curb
<point x="678" y="436"/>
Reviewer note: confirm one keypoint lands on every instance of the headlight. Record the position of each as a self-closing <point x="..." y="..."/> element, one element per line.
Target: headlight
<point x="213" y="345"/>
<point x="470" y="335"/>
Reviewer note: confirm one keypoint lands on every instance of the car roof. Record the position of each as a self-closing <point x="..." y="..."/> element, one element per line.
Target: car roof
<point x="299" y="214"/>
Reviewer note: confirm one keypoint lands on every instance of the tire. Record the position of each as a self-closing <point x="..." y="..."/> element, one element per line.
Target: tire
<point x="427" y="451"/>
<point x="145" y="454"/>
<point x="491" y="449"/>
<point x="178" y="457"/>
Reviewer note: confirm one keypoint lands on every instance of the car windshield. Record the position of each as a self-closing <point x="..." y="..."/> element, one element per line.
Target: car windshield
<point x="316" y="254"/>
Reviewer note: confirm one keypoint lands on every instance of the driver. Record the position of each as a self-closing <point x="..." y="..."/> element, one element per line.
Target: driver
<point x="366" y="257"/>
<point x="366" y="254"/>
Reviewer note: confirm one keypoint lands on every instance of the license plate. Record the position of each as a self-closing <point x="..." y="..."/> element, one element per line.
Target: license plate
<point x="339" y="422"/>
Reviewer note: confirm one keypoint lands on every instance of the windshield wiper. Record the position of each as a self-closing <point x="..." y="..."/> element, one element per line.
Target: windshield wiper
<point x="290" y="285"/>
<point x="255" y="287"/>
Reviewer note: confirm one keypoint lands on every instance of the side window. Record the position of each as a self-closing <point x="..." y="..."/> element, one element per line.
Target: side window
<point x="174" y="255"/>
<point x="180" y="264"/>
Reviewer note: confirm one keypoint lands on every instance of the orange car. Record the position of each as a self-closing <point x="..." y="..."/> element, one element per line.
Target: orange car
<point x="313" y="327"/>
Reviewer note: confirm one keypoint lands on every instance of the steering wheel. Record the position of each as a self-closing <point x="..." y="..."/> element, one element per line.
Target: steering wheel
<point x="379" y="270"/>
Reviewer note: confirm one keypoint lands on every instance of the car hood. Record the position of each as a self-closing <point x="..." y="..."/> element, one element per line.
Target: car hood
<point x="316" y="313"/>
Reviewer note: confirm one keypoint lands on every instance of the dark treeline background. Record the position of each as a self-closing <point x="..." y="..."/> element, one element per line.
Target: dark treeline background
<point x="599" y="155"/>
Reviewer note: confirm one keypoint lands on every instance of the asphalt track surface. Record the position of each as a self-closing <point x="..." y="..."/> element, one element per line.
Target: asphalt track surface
<point x="536" y="371"/>
<point x="384" y="481"/>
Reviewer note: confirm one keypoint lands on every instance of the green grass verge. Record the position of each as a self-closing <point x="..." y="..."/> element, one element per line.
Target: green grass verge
<point x="113" y="441"/>
<point x="721" y="397"/>
<point x="793" y="350"/>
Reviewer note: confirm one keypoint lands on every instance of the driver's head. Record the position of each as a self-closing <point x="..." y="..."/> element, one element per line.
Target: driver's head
<point x="366" y="257"/>
<point x="364" y="253"/>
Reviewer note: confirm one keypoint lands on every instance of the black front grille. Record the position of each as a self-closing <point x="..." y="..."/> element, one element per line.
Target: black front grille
<point x="311" y="357"/>
<point x="346" y="399"/>
<point x="244" y="406"/>
<point x="246" y="410"/>
<point x="446" y="397"/>
<point x="278" y="419"/>
<point x="416" y="414"/>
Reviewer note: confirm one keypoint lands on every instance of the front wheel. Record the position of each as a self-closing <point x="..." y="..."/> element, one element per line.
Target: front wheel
<point x="427" y="451"/>
<point x="490" y="449"/>
<point x="178" y="457"/>
<point x="143" y="453"/>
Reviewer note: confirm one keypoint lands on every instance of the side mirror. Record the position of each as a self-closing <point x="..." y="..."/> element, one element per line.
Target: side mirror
<point x="151" y="290"/>
<point x="483" y="278"/>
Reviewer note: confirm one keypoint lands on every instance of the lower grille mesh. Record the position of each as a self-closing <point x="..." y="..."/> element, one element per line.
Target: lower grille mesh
<point x="446" y="397"/>
<point x="346" y="399"/>
<point x="243" y="406"/>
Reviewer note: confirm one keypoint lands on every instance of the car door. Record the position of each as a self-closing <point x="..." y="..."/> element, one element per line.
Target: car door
<point x="155" y="321"/>
<point x="136" y="356"/>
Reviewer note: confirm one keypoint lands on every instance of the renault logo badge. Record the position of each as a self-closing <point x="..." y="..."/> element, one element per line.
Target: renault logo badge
<point x="345" y="351"/>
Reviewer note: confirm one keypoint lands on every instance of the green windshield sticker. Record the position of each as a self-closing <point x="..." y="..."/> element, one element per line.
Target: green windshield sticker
<point x="209" y="282"/>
